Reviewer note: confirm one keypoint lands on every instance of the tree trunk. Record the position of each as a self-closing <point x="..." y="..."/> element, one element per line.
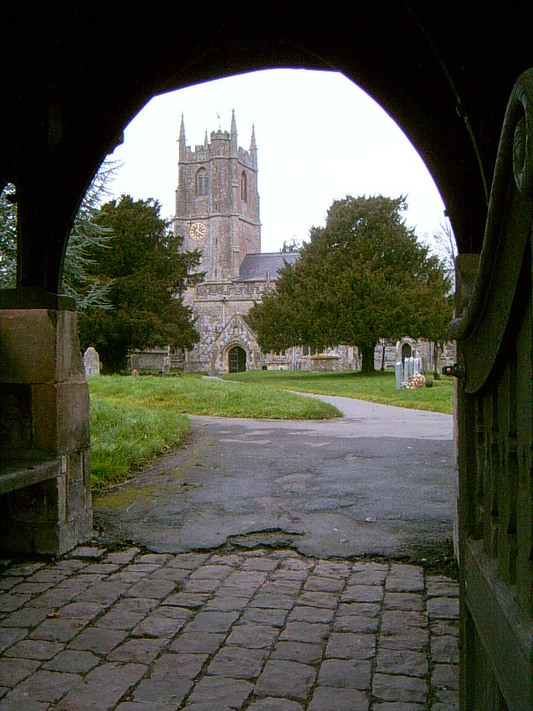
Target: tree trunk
<point x="436" y="349"/>
<point x="367" y="355"/>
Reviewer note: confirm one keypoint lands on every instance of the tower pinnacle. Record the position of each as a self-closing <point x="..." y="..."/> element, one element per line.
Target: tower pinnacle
<point x="233" y="132"/>
<point x="253" y="147"/>
<point x="181" y="140"/>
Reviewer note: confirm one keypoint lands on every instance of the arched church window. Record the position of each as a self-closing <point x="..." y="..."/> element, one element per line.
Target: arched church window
<point x="202" y="183"/>
<point x="244" y="187"/>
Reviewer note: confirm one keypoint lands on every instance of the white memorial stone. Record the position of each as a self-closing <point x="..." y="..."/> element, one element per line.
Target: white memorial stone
<point x="91" y="362"/>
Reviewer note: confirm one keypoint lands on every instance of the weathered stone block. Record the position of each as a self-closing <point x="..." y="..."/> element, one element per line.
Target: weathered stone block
<point x="27" y="352"/>
<point x="15" y="423"/>
<point x="29" y="519"/>
<point x="38" y="345"/>
<point x="60" y="416"/>
<point x="46" y="418"/>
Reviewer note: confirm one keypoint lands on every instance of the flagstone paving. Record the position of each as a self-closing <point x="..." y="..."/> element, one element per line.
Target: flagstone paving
<point x="263" y="629"/>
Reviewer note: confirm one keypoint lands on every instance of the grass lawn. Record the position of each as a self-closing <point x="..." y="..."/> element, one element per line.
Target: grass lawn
<point x="379" y="387"/>
<point x="135" y="419"/>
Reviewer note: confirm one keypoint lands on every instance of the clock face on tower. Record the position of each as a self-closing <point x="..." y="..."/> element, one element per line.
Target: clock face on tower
<point x="197" y="230"/>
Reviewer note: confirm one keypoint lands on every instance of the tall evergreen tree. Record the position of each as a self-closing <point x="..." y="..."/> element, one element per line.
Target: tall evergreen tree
<point x="362" y="277"/>
<point x="147" y="273"/>
<point x="79" y="281"/>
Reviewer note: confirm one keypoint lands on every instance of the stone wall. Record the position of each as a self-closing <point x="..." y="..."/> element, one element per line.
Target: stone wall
<point x="45" y="495"/>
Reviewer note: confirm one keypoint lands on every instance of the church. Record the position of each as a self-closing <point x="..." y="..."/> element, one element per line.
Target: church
<point x="217" y="212"/>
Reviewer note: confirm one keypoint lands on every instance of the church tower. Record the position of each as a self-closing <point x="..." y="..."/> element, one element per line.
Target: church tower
<point x="217" y="201"/>
<point x="217" y="212"/>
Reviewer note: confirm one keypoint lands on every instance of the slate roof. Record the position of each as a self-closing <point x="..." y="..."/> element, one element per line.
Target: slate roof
<point x="260" y="266"/>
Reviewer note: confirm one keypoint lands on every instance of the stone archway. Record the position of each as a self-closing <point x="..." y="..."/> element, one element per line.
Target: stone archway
<point x="407" y="351"/>
<point x="237" y="359"/>
<point x="50" y="154"/>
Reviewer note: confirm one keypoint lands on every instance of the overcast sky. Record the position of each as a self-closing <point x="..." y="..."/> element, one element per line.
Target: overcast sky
<point x="319" y="138"/>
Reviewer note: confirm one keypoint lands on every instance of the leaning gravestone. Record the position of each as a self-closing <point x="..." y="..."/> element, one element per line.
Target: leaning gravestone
<point x="91" y="362"/>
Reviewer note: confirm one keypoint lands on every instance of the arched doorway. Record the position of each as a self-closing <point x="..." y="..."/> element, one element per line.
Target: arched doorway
<point x="456" y="127"/>
<point x="407" y="351"/>
<point x="236" y="359"/>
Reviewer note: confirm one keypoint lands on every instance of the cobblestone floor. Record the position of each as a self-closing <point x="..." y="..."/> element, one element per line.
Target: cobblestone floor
<point x="266" y="630"/>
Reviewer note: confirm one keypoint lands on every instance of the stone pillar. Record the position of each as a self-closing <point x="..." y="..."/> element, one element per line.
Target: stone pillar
<point x="45" y="495"/>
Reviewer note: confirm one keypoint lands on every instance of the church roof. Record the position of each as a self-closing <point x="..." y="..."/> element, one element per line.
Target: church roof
<point x="262" y="266"/>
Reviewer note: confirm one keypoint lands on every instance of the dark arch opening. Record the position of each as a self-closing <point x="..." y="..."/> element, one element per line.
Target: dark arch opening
<point x="237" y="360"/>
<point x="407" y="351"/>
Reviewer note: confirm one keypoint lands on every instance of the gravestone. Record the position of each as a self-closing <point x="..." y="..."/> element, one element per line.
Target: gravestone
<point x="399" y="375"/>
<point x="409" y="368"/>
<point x="91" y="362"/>
<point x="166" y="365"/>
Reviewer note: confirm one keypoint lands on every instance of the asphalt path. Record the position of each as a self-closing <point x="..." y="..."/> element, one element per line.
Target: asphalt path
<point x="379" y="481"/>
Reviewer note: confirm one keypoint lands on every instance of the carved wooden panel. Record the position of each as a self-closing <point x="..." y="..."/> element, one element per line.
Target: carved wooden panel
<point x="494" y="410"/>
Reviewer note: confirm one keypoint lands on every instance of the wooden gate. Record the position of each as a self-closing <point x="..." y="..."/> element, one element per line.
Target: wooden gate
<point x="493" y="329"/>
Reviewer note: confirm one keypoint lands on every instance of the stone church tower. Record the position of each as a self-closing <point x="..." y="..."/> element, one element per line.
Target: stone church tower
<point x="217" y="202"/>
<point x="217" y="212"/>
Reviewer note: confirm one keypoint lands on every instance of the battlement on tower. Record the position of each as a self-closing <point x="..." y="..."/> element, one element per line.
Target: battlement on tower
<point x="220" y="145"/>
<point x="219" y="134"/>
